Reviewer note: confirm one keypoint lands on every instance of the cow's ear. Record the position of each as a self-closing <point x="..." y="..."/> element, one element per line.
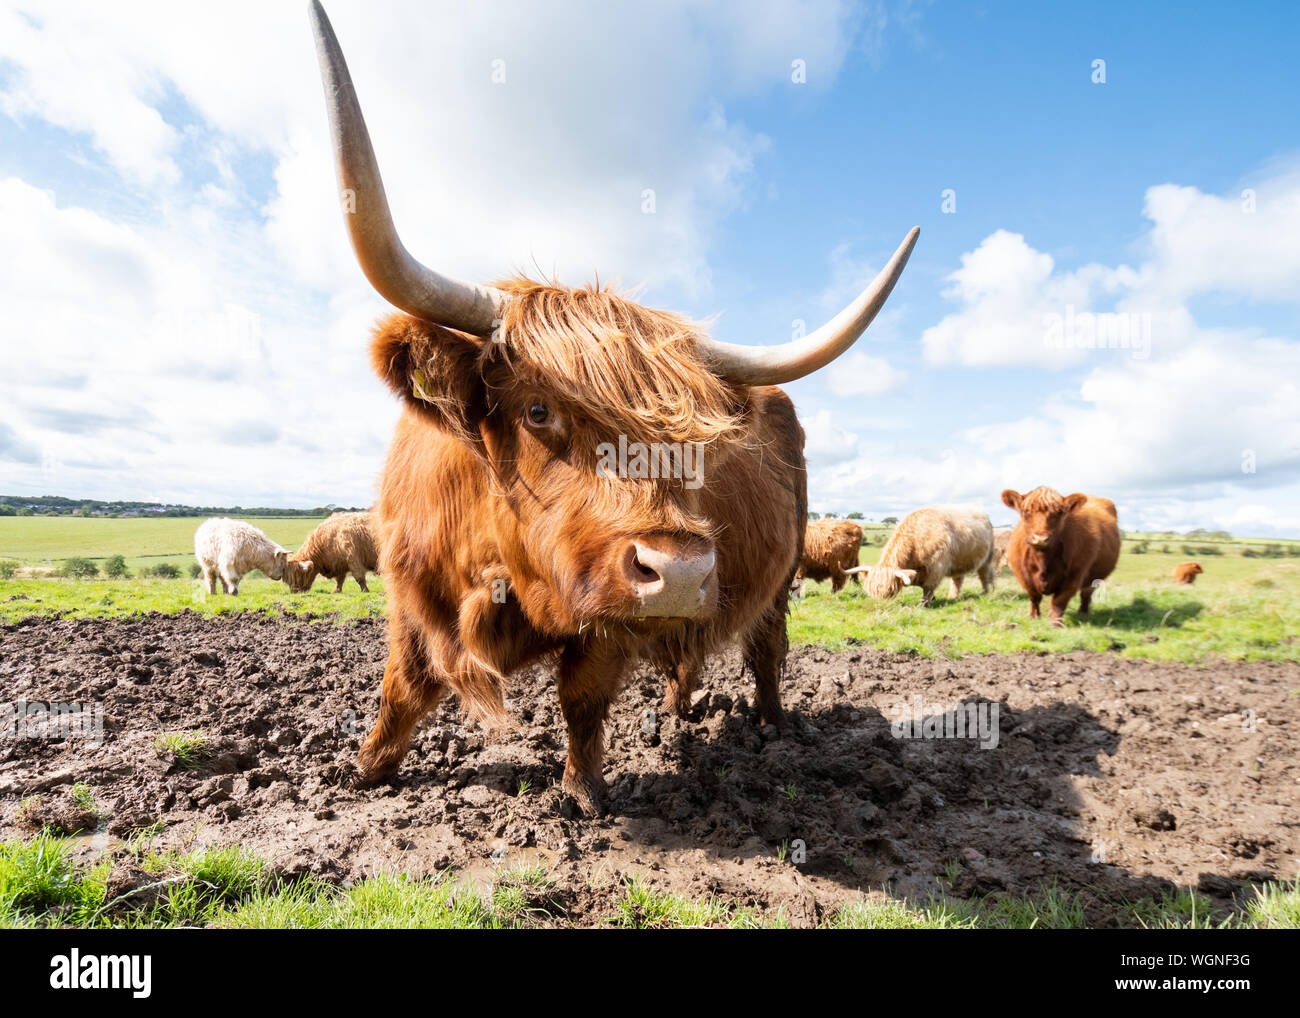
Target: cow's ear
<point x="1075" y="501"/>
<point x="1011" y="499"/>
<point x="435" y="370"/>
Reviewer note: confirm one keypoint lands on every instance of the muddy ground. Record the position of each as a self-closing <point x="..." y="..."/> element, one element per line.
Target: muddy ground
<point x="1117" y="778"/>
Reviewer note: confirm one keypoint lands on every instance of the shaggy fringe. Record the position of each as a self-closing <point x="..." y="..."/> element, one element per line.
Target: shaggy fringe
<point x="633" y="370"/>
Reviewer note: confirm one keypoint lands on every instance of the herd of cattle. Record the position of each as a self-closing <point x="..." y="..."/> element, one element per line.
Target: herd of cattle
<point x="501" y="545"/>
<point x="228" y="550"/>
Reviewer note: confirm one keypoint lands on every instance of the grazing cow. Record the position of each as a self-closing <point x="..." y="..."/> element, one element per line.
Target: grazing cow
<point x="508" y="531"/>
<point x="931" y="545"/>
<point x="1186" y="572"/>
<point x="343" y="544"/>
<point x="1001" y="541"/>
<point x="1062" y="546"/>
<point x="228" y="549"/>
<point x="830" y="547"/>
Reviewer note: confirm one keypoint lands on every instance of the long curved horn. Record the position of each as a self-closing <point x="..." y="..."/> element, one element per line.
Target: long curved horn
<point x="772" y="365"/>
<point x="392" y="271"/>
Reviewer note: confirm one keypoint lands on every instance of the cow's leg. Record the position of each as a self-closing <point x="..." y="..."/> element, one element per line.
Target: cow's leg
<point x="681" y="679"/>
<point x="837" y="582"/>
<point x="956" y="586"/>
<point x="210" y="580"/>
<point x="988" y="573"/>
<point x="764" y="648"/>
<point x="360" y="577"/>
<point x="927" y="596"/>
<point x="1034" y="600"/>
<point x="411" y="689"/>
<point x="338" y="582"/>
<point x="587" y="681"/>
<point x="1085" y="600"/>
<point x="231" y="583"/>
<point x="1060" y="601"/>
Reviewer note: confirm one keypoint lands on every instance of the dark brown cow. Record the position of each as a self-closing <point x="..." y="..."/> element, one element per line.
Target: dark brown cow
<point x="505" y="536"/>
<point x="1186" y="572"/>
<point x="1061" y="546"/>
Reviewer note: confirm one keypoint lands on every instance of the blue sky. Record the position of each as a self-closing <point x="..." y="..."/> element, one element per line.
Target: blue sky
<point x="188" y="324"/>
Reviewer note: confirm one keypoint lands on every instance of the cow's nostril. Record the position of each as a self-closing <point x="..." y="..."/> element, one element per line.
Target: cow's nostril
<point x="643" y="572"/>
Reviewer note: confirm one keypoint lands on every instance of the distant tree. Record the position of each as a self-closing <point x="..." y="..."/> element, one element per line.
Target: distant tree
<point x="77" y="568"/>
<point x="830" y="516"/>
<point x="814" y="516"/>
<point x="196" y="570"/>
<point x="7" y="569"/>
<point x="853" y="516"/>
<point x="115" y="567"/>
<point x="890" y="521"/>
<point x="165" y="571"/>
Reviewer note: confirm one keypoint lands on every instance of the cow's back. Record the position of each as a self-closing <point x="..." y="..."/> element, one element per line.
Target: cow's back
<point x="1099" y="521"/>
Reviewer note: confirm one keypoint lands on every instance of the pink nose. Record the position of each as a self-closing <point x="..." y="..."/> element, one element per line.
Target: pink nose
<point x="1040" y="540"/>
<point x="668" y="582"/>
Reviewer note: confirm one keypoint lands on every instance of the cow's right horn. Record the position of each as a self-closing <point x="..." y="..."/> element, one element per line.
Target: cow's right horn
<point x="392" y="271"/>
<point x="773" y="365"/>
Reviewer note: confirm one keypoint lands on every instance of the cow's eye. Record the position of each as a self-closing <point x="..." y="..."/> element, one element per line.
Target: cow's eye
<point x="539" y="414"/>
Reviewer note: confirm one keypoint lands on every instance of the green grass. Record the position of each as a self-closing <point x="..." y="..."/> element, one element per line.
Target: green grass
<point x="42" y="884"/>
<point x="115" y="598"/>
<point x="1240" y="608"/>
<point x="189" y="748"/>
<point x="48" y="540"/>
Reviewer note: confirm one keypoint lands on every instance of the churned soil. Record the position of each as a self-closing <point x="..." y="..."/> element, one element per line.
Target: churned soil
<point x="1112" y="777"/>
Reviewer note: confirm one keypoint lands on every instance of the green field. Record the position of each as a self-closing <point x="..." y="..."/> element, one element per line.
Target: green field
<point x="43" y="541"/>
<point x="1242" y="607"/>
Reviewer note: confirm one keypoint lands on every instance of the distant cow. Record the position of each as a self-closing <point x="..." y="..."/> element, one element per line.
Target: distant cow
<point x="1186" y="572"/>
<point x="228" y="549"/>
<point x="343" y="544"/>
<point x="931" y="545"/>
<point x="830" y="547"/>
<point x="1001" y="541"/>
<point x="1062" y="546"/>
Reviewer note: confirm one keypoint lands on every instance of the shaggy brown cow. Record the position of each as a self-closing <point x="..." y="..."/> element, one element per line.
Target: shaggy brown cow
<point x="343" y="544"/>
<point x="1186" y="572"/>
<point x="829" y="548"/>
<point x="1061" y="546"/>
<point x="506" y="538"/>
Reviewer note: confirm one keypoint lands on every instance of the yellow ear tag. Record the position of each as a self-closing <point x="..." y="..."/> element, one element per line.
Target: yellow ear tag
<point x="418" y="386"/>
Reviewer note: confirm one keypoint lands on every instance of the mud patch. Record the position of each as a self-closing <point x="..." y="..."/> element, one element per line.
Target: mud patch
<point x="1112" y="777"/>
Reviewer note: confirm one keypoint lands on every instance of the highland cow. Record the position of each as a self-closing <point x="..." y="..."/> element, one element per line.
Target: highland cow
<point x="1001" y="542"/>
<point x="931" y="545"/>
<point x="1186" y="572"/>
<point x="830" y="547"/>
<point x="343" y="544"/>
<point x="1062" y="546"/>
<point x="229" y="549"/>
<point x="503" y="543"/>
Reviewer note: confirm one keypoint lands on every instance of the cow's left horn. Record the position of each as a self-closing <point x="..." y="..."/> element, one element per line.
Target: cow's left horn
<point x="772" y="365"/>
<point x="392" y="271"/>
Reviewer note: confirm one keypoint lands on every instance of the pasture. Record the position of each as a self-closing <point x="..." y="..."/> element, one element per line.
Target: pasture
<point x="1145" y="773"/>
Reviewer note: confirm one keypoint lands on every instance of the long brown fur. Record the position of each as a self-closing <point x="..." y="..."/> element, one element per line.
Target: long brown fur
<point x="829" y="548"/>
<point x="494" y="535"/>
<point x="1084" y="547"/>
<point x="344" y="544"/>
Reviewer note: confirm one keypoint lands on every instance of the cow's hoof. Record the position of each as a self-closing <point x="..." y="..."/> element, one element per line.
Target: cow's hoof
<point x="588" y="794"/>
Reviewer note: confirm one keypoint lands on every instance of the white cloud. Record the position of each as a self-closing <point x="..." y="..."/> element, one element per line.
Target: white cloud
<point x="860" y="374"/>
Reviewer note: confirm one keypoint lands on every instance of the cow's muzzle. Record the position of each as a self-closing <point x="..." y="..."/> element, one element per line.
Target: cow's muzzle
<point x="670" y="579"/>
